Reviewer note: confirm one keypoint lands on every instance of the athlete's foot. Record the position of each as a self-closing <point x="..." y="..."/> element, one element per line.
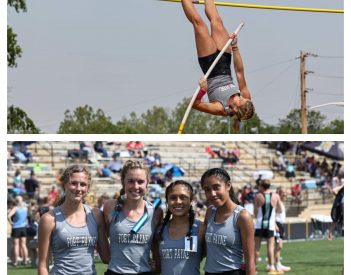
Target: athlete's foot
<point x="283" y="268"/>
<point x="274" y="272"/>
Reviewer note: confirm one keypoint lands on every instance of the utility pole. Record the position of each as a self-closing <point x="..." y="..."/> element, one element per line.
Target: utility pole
<point x="303" y="93"/>
<point x="304" y="90"/>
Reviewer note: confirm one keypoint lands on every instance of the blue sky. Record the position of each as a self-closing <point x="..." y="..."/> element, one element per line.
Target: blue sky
<point x="124" y="56"/>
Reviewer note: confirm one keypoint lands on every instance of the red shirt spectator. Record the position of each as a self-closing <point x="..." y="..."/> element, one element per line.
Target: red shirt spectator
<point x="53" y="194"/>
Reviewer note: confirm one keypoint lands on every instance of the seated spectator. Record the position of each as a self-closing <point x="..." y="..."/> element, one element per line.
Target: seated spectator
<point x="324" y="166"/>
<point x="153" y="160"/>
<point x="9" y="161"/>
<point x="279" y="161"/>
<point x="159" y="179"/>
<point x="290" y="171"/>
<point x="210" y="152"/>
<point x="223" y="150"/>
<point x="115" y="165"/>
<point x="31" y="185"/>
<point x="296" y="193"/>
<point x="85" y="149"/>
<point x="139" y="149"/>
<point x="314" y="169"/>
<point x="299" y="163"/>
<point x="157" y="156"/>
<point x="53" y="194"/>
<point x="236" y="152"/>
<point x="149" y="160"/>
<point x="99" y="148"/>
<point x="104" y="171"/>
<point x="20" y="151"/>
<point x="283" y="146"/>
<point x="136" y="149"/>
<point x="227" y="156"/>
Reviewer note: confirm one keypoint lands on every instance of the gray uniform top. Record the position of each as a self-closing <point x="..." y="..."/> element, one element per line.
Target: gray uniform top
<point x="174" y="259"/>
<point x="223" y="243"/>
<point x="130" y="253"/>
<point x="72" y="246"/>
<point x="221" y="88"/>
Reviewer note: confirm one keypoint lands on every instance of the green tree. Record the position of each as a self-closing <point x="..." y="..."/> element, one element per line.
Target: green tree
<point x="14" y="51"/>
<point x="128" y="126"/>
<point x="84" y="120"/>
<point x="256" y="126"/>
<point x="18" y="5"/>
<point x="292" y="123"/>
<point x="19" y="123"/>
<point x="155" y="121"/>
<point x="334" y="127"/>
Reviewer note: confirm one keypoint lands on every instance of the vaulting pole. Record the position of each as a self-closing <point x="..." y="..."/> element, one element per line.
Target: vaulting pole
<point x="232" y="36"/>
<point x="252" y="6"/>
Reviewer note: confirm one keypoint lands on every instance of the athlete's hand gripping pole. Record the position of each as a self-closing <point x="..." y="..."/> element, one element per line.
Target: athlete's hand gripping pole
<point x="144" y="217"/>
<point x="185" y="117"/>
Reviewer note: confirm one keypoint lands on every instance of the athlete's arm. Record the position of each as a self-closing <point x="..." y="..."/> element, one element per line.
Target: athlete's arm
<point x="257" y="203"/>
<point x="239" y="71"/>
<point x="107" y="213"/>
<point x="11" y="213"/>
<point x="201" y="236"/>
<point x="213" y="108"/>
<point x="46" y="226"/>
<point x="102" y="244"/>
<point x="245" y="225"/>
<point x="156" y="260"/>
<point x="279" y="207"/>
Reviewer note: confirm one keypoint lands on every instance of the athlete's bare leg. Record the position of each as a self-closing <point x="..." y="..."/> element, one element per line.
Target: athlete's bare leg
<point x="218" y="32"/>
<point x="205" y="44"/>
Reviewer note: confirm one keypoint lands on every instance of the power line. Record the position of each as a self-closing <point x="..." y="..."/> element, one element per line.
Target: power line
<point x="324" y="93"/>
<point x="276" y="77"/>
<point x="329" y="57"/>
<point x="271" y="65"/>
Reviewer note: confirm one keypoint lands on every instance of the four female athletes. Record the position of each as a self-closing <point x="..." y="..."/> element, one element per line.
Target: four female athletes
<point x="173" y="244"/>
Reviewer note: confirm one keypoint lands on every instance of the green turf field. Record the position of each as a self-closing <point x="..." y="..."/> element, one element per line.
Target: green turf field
<point x="308" y="257"/>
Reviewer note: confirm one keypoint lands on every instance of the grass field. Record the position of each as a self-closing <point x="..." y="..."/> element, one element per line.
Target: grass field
<point x="320" y="257"/>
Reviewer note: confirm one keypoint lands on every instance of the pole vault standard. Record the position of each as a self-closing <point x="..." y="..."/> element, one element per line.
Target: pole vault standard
<point x="232" y="36"/>
<point x="267" y="7"/>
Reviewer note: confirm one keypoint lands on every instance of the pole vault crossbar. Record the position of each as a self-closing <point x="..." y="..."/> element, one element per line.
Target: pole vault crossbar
<point x="232" y="36"/>
<point x="267" y="7"/>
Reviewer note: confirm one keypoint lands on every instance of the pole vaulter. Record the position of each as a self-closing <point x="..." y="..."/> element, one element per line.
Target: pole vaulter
<point x="232" y="37"/>
<point x="252" y="6"/>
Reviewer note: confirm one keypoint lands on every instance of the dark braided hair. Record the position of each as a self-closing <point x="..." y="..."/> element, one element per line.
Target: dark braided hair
<point x="169" y="214"/>
<point x="129" y="165"/>
<point x="66" y="176"/>
<point x="222" y="175"/>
